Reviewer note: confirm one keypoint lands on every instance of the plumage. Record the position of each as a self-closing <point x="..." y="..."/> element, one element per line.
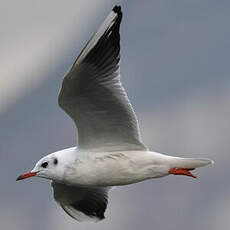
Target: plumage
<point x="110" y="151"/>
<point x="81" y="203"/>
<point x="93" y="96"/>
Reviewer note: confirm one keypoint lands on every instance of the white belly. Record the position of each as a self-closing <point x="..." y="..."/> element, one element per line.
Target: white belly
<point x="118" y="168"/>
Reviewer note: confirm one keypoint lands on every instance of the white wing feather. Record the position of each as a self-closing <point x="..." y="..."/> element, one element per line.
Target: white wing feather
<point x="92" y="94"/>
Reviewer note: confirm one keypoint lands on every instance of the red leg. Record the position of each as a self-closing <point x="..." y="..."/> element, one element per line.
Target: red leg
<point x="180" y="171"/>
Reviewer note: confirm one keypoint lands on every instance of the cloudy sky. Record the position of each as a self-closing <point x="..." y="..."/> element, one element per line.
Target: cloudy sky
<point x="175" y="67"/>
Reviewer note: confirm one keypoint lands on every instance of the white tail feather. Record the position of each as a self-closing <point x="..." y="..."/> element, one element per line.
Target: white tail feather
<point x="187" y="163"/>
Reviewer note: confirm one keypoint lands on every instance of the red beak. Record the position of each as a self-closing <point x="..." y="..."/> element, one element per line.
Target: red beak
<point x="26" y="175"/>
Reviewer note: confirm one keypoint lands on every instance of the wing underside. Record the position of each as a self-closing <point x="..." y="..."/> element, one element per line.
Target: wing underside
<point x="81" y="203"/>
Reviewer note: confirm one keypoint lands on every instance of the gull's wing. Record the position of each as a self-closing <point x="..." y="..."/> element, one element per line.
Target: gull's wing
<point x="92" y="94"/>
<point x="82" y="204"/>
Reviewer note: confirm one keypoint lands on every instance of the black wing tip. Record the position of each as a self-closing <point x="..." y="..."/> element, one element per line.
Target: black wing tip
<point x="92" y="210"/>
<point x="117" y="9"/>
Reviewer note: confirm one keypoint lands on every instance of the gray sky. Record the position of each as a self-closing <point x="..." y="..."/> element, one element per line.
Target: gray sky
<point x="175" y="67"/>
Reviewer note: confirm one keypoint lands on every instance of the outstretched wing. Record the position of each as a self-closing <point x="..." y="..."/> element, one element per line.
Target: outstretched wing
<point x="92" y="94"/>
<point x="81" y="203"/>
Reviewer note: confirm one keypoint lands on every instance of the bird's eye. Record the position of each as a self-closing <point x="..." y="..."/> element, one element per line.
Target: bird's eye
<point x="44" y="165"/>
<point x="55" y="161"/>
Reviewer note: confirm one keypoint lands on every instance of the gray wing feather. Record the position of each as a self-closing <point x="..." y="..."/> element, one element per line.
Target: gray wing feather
<point x="92" y="94"/>
<point x="81" y="203"/>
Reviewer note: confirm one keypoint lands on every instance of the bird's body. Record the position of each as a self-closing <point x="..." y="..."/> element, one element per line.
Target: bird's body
<point x="103" y="169"/>
<point x="110" y="151"/>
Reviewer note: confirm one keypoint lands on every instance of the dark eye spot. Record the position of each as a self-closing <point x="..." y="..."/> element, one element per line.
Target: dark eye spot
<point x="44" y="165"/>
<point x="55" y="161"/>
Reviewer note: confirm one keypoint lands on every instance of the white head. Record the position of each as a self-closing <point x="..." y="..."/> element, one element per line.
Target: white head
<point x="49" y="167"/>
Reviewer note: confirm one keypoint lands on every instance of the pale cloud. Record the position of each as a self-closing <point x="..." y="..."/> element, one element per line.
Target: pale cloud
<point x="196" y="125"/>
<point x="35" y="36"/>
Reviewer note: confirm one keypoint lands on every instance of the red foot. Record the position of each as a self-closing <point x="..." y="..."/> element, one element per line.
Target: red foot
<point x="179" y="171"/>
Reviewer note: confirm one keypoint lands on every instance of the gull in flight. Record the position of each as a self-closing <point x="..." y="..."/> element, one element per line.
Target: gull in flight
<point x="110" y="151"/>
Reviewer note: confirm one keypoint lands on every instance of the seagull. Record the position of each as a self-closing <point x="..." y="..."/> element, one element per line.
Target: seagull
<point x="110" y="151"/>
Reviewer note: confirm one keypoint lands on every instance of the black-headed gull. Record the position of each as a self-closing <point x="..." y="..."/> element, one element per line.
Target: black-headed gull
<point x="110" y="151"/>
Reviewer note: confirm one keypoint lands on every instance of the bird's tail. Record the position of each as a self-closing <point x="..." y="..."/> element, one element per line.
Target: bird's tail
<point x="183" y="166"/>
<point x="179" y="162"/>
